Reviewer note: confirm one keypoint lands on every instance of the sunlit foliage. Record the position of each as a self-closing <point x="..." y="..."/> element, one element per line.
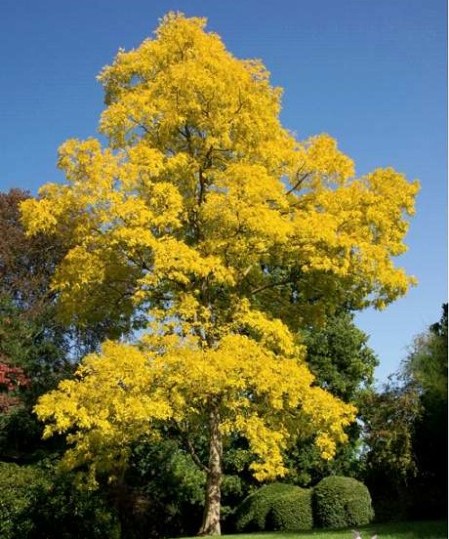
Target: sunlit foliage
<point x="211" y="221"/>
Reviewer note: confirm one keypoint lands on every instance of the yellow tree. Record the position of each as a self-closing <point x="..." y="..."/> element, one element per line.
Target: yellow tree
<point x="211" y="222"/>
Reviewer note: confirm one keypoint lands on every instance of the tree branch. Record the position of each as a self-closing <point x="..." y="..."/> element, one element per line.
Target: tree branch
<point x="191" y="449"/>
<point x="270" y="285"/>
<point x="299" y="180"/>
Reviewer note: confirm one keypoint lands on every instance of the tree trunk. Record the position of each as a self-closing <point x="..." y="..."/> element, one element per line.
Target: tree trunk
<point x="212" y="507"/>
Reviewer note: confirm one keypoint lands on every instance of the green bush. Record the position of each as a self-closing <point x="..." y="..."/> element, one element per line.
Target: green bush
<point x="62" y="511"/>
<point x="18" y="487"/>
<point x="171" y="487"/>
<point x="276" y="507"/>
<point x="340" y="502"/>
<point x="36" y="502"/>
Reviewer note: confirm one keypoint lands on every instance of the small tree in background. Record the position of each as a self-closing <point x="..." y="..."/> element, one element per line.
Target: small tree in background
<point x="405" y="431"/>
<point x="33" y="344"/>
<point x="342" y="362"/>
<point x="426" y="369"/>
<point x="426" y="364"/>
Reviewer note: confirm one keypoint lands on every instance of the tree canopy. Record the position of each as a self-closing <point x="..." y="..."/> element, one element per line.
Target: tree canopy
<point x="426" y="364"/>
<point x="339" y="356"/>
<point x="210" y="228"/>
<point x="405" y="431"/>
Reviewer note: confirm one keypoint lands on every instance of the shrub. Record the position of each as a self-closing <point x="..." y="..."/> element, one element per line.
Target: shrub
<point x="340" y="502"/>
<point x="292" y="510"/>
<point x="276" y="507"/>
<point x="18" y="486"/>
<point x="35" y="502"/>
<point x="171" y="488"/>
<point x="62" y="511"/>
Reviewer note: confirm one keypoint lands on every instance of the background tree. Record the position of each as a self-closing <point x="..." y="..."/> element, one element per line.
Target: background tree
<point x="32" y="341"/>
<point x="339" y="356"/>
<point x="426" y="364"/>
<point x="405" y="428"/>
<point x="426" y="369"/>
<point x="342" y="362"/>
<point x="34" y="337"/>
<point x="37" y="350"/>
<point x="208" y="219"/>
<point x="26" y="263"/>
<point x="162" y="492"/>
<point x="389" y="464"/>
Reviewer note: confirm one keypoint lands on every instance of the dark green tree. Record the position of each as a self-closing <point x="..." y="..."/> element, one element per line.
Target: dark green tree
<point x="426" y="364"/>
<point x="339" y="356"/>
<point x="388" y="461"/>
<point x="426" y="369"/>
<point x="405" y="432"/>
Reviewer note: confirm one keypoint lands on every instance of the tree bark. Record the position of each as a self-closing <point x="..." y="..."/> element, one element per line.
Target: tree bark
<point x="212" y="507"/>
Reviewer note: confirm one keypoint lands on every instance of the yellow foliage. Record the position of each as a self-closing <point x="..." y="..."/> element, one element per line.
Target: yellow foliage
<point x="211" y="219"/>
<point x="122" y="393"/>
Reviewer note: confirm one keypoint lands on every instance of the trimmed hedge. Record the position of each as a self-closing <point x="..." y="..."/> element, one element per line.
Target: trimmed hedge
<point x="340" y="502"/>
<point x="276" y="507"/>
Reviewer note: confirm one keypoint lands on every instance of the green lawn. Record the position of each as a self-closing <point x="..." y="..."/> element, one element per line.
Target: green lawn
<point x="395" y="530"/>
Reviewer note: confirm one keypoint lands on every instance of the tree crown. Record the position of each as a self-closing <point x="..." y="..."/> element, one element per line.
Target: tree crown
<point x="212" y="224"/>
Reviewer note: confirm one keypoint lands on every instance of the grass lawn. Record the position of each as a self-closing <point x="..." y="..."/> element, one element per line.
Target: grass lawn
<point x="393" y="530"/>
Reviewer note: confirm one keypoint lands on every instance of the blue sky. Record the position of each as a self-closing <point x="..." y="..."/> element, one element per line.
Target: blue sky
<point x="372" y="73"/>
